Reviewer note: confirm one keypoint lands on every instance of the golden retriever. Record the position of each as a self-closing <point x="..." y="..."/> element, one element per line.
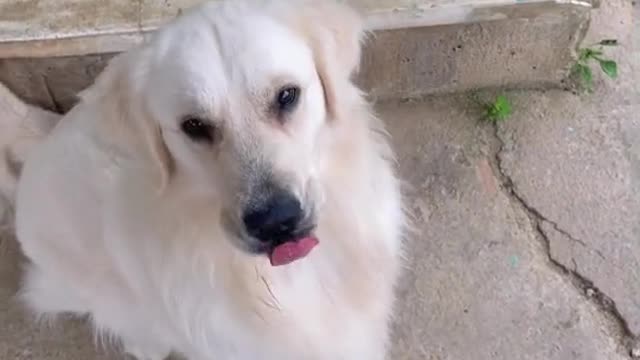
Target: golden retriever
<point x="222" y="192"/>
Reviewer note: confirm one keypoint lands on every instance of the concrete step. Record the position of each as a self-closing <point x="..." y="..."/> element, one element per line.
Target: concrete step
<point x="51" y="49"/>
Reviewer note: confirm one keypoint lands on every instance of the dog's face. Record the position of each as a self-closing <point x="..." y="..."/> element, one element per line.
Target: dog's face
<point x="236" y="98"/>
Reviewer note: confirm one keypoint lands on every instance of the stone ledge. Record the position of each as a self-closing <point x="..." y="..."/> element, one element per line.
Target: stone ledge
<point x="41" y="29"/>
<point x="447" y="46"/>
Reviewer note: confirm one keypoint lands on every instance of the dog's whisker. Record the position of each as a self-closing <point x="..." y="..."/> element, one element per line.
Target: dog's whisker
<point x="269" y="304"/>
<point x="326" y="291"/>
<point x="259" y="314"/>
<point x="257" y="272"/>
<point x="266" y="284"/>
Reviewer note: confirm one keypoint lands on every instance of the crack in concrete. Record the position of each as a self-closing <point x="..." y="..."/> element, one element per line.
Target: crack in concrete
<point x="557" y="228"/>
<point x="586" y="287"/>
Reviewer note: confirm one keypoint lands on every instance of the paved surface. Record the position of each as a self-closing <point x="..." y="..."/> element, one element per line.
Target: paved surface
<point x="528" y="234"/>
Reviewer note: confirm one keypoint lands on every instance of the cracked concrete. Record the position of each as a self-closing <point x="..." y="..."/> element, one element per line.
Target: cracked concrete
<point x="574" y="161"/>
<point x="480" y="283"/>
<point x="528" y="233"/>
<point x="551" y="235"/>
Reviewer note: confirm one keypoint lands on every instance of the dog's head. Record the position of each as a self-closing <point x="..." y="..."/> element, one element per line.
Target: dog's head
<point x="232" y="102"/>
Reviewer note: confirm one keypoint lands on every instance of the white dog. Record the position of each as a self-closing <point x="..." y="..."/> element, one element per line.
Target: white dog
<point x="222" y="192"/>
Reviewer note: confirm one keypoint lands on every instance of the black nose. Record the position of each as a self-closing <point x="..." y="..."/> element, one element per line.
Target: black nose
<point x="276" y="221"/>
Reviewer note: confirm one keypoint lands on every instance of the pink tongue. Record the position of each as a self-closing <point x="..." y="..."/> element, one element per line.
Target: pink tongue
<point x="292" y="251"/>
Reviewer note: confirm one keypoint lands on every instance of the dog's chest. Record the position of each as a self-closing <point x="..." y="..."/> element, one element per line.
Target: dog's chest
<point x="333" y="303"/>
<point x="321" y="315"/>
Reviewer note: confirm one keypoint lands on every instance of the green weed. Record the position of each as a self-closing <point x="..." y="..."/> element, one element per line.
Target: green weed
<point x="595" y="53"/>
<point x="497" y="110"/>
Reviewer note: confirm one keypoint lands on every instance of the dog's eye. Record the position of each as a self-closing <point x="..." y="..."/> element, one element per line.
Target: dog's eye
<point x="197" y="130"/>
<point x="287" y="98"/>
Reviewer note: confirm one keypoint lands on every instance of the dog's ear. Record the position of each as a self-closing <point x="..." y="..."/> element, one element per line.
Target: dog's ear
<point x="124" y="119"/>
<point x="335" y="32"/>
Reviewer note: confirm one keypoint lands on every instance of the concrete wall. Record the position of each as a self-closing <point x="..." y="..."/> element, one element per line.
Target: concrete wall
<point x="428" y="47"/>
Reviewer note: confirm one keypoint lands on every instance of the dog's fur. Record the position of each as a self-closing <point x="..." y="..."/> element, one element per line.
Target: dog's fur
<point x="126" y="219"/>
<point x="22" y="127"/>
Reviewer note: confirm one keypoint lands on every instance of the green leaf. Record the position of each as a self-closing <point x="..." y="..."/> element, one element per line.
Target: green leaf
<point x="595" y="53"/>
<point x="575" y="70"/>
<point x="503" y="105"/>
<point x="500" y="109"/>
<point x="586" y="54"/>
<point x="585" y="74"/>
<point x="609" y="67"/>
<point x="608" y="42"/>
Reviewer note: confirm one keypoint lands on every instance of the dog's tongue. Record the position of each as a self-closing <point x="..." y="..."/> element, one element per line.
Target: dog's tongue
<point x="291" y="251"/>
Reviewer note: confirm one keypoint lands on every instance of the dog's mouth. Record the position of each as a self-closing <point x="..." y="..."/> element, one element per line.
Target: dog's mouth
<point x="278" y="228"/>
<point x="290" y="251"/>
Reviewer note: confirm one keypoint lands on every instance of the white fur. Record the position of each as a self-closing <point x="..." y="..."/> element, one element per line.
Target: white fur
<point x="22" y="127"/>
<point x="122" y="216"/>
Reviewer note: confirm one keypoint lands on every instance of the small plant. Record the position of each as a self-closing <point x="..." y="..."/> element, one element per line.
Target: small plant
<point x="586" y="56"/>
<point x="497" y="110"/>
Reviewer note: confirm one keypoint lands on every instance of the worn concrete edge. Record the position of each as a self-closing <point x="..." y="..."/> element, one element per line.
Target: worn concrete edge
<point x="113" y="41"/>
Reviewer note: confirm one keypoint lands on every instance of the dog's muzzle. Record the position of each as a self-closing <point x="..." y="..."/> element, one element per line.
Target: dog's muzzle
<point x="282" y="228"/>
